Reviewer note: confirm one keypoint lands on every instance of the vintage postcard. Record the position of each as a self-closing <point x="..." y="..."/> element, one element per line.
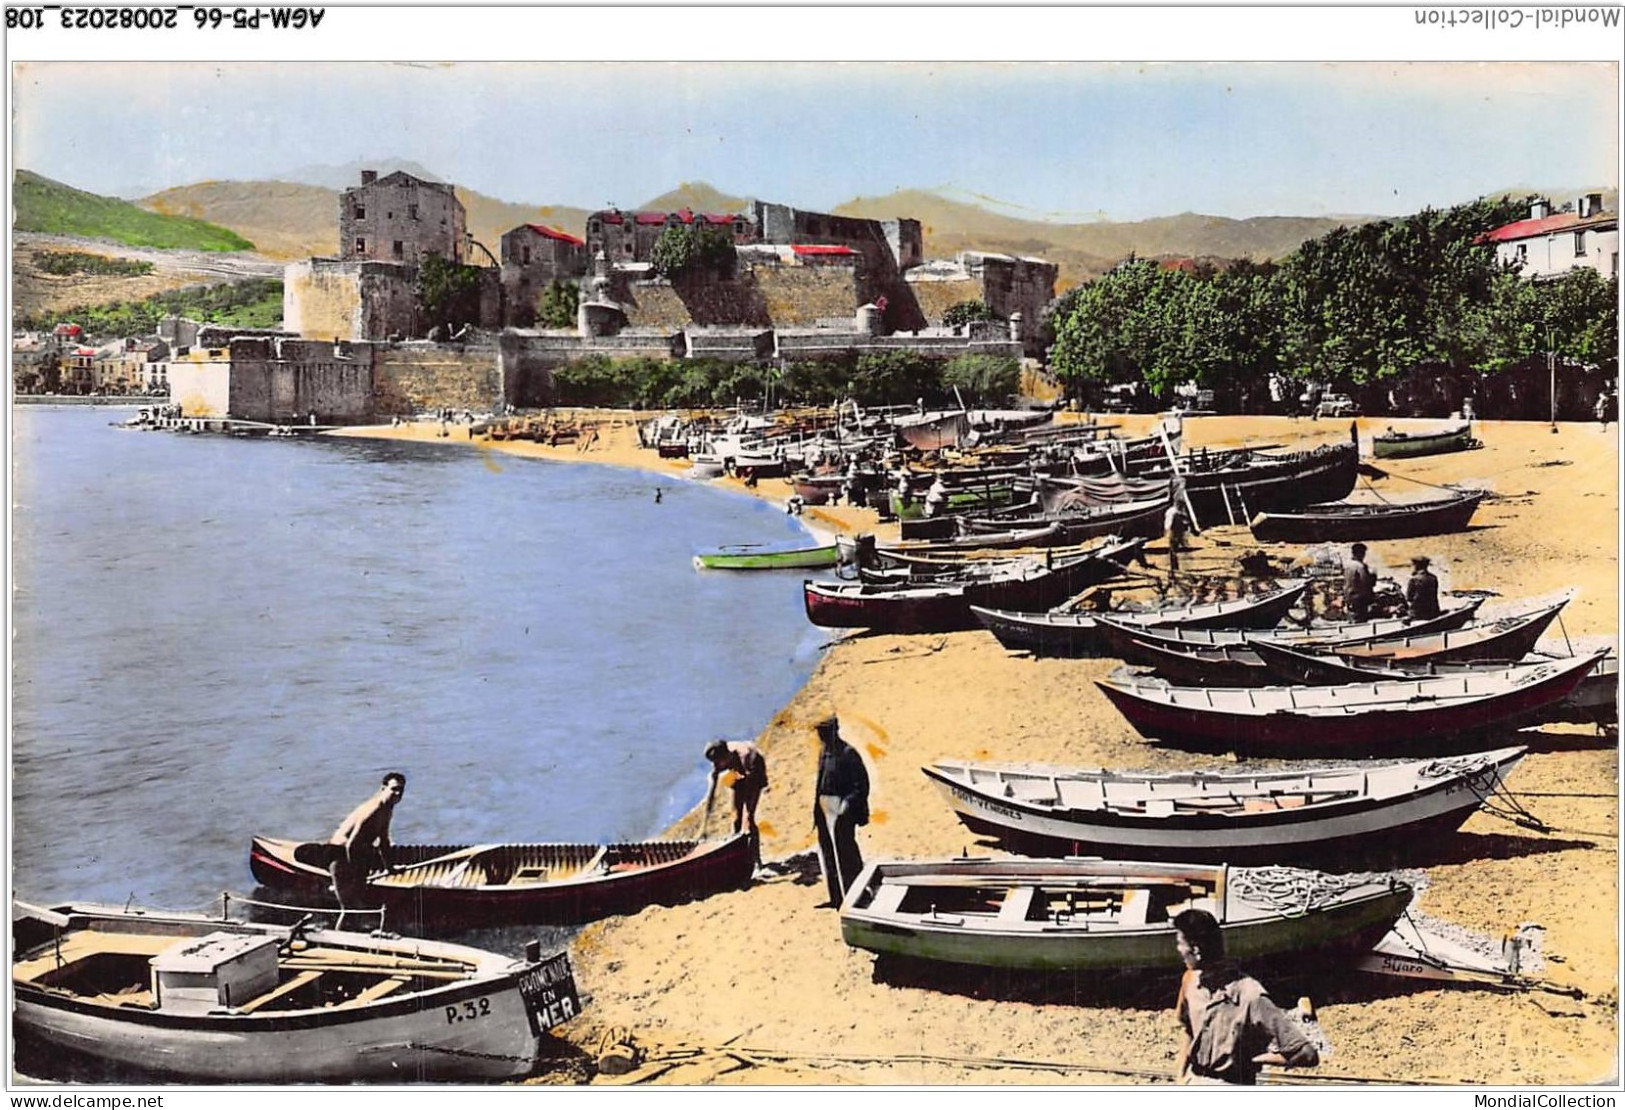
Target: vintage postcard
<point x="914" y="547"/>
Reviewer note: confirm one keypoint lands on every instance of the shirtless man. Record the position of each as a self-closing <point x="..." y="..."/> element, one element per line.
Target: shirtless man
<point x="361" y="844"/>
<point x="749" y="766"/>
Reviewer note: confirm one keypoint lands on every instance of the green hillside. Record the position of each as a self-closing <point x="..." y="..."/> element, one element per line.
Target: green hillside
<point x="51" y="208"/>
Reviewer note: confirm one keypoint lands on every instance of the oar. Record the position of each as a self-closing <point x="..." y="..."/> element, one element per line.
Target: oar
<point x="463" y="854"/>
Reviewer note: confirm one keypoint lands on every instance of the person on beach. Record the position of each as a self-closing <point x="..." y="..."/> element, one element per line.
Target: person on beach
<point x="841" y="805"/>
<point x="1359" y="584"/>
<point x="658" y="495"/>
<point x="1421" y="591"/>
<point x="1605" y="408"/>
<point x="1231" y="1027"/>
<point x="1175" y="522"/>
<point x="749" y="766"/>
<point x="361" y="844"/>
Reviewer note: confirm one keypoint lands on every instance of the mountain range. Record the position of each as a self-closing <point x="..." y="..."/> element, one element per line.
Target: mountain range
<point x="287" y="220"/>
<point x="291" y="221"/>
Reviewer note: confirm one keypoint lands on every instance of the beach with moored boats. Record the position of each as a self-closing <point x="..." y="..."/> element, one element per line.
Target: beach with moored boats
<point x="1500" y="964"/>
<point x="1075" y="724"/>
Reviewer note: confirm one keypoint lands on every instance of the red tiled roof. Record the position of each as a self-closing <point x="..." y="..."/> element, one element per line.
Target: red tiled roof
<point x="649" y="217"/>
<point x="555" y="233"/>
<point x="820" y="248"/>
<point x="1547" y="225"/>
<point x="66" y="329"/>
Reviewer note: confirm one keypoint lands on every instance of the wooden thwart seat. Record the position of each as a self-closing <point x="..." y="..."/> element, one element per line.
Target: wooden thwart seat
<point x="282" y="989"/>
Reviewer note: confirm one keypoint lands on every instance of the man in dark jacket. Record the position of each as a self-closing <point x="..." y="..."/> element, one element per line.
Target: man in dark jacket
<point x="1421" y="591"/>
<point x="842" y="804"/>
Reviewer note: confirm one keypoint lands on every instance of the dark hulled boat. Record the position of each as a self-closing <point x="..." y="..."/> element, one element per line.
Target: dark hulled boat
<point x="1341" y="522"/>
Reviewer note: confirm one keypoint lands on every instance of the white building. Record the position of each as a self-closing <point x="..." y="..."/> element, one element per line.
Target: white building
<point x="1550" y="244"/>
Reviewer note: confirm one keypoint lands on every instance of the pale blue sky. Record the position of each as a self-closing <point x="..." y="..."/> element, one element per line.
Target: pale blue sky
<point x="1067" y="141"/>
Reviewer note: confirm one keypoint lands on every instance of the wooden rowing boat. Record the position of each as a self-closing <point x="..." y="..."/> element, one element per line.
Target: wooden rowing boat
<point x="207" y="999"/>
<point x="1354" y="719"/>
<point x="442" y="888"/>
<point x="753" y="557"/>
<point x="1342" y="522"/>
<point x="1105" y="916"/>
<point x="1075" y="633"/>
<point x="1129" y="518"/>
<point x="1224" y="657"/>
<point x="1022" y="585"/>
<point x="1407" y="445"/>
<point x="1278" y="816"/>
<point x="1504" y="640"/>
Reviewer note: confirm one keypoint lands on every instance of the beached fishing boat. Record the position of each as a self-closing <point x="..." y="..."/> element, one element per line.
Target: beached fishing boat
<point x="1503" y="640"/>
<point x="442" y="888"/>
<point x="1105" y="916"/>
<point x="1594" y="701"/>
<point x="1325" y="633"/>
<point x="1070" y="573"/>
<point x="199" y="998"/>
<point x="1277" y="816"/>
<point x="1074" y="633"/>
<point x="1129" y="518"/>
<point x="944" y="606"/>
<point x="932" y="431"/>
<point x="1355" y="719"/>
<point x="754" y="557"/>
<point x="1231" y="491"/>
<point x="863" y="549"/>
<point x="1342" y="522"/>
<point x="1409" y="445"/>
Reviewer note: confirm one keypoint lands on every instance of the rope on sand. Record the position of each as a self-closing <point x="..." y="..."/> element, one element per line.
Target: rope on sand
<point x="664" y="1061"/>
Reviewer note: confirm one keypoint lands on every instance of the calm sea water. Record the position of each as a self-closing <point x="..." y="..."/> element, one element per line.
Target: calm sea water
<point x="215" y="637"/>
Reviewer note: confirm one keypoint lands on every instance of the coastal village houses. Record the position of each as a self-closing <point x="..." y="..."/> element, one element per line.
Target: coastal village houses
<point x="1549" y="244"/>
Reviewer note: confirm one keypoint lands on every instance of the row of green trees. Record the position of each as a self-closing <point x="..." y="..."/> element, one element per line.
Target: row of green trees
<point x="884" y="378"/>
<point x="68" y="263"/>
<point x="1357" y="306"/>
<point x="256" y="303"/>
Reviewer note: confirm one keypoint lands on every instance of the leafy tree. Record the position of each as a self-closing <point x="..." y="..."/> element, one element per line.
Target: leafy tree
<point x="965" y="312"/>
<point x="683" y="250"/>
<point x="986" y="379"/>
<point x="556" y="307"/>
<point x="448" y="293"/>
<point x="896" y="377"/>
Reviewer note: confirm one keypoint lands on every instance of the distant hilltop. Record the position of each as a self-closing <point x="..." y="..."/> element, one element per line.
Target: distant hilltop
<point x="289" y="220"/>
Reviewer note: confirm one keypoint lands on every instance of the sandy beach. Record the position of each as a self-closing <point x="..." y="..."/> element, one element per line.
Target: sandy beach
<point x="757" y="987"/>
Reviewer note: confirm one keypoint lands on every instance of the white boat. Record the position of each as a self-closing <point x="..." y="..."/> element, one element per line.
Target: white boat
<point x="209" y="999"/>
<point x="1278" y="816"/>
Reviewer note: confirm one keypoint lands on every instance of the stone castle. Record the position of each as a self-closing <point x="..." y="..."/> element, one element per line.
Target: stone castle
<point x="803" y="285"/>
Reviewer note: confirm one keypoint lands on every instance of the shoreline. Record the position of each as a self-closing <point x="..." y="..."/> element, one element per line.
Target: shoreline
<point x="736" y="1012"/>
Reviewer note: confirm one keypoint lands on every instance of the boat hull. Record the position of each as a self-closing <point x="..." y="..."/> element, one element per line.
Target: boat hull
<point x="1332" y="831"/>
<point x="683" y="870"/>
<point x="1355" y="720"/>
<point x="485" y="1022"/>
<point x="1064" y="944"/>
<point x="1401" y="446"/>
<point x="803" y="558"/>
<point x="1347" y="523"/>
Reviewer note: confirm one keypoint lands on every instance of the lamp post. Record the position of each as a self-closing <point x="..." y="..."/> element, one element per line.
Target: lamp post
<point x="1551" y="375"/>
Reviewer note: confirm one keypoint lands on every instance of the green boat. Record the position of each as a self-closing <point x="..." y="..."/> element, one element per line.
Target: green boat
<point x="1091" y="915"/>
<point x="1405" y="445"/>
<point x="747" y="556"/>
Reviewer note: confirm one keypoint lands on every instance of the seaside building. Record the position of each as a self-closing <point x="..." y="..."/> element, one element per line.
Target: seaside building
<point x="401" y="219"/>
<point x="1551" y="243"/>
<point x="533" y="257"/>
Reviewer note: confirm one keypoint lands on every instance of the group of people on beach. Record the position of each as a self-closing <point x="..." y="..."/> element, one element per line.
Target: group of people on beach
<point x="1360" y="587"/>
<point x="1230" y="1026"/>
